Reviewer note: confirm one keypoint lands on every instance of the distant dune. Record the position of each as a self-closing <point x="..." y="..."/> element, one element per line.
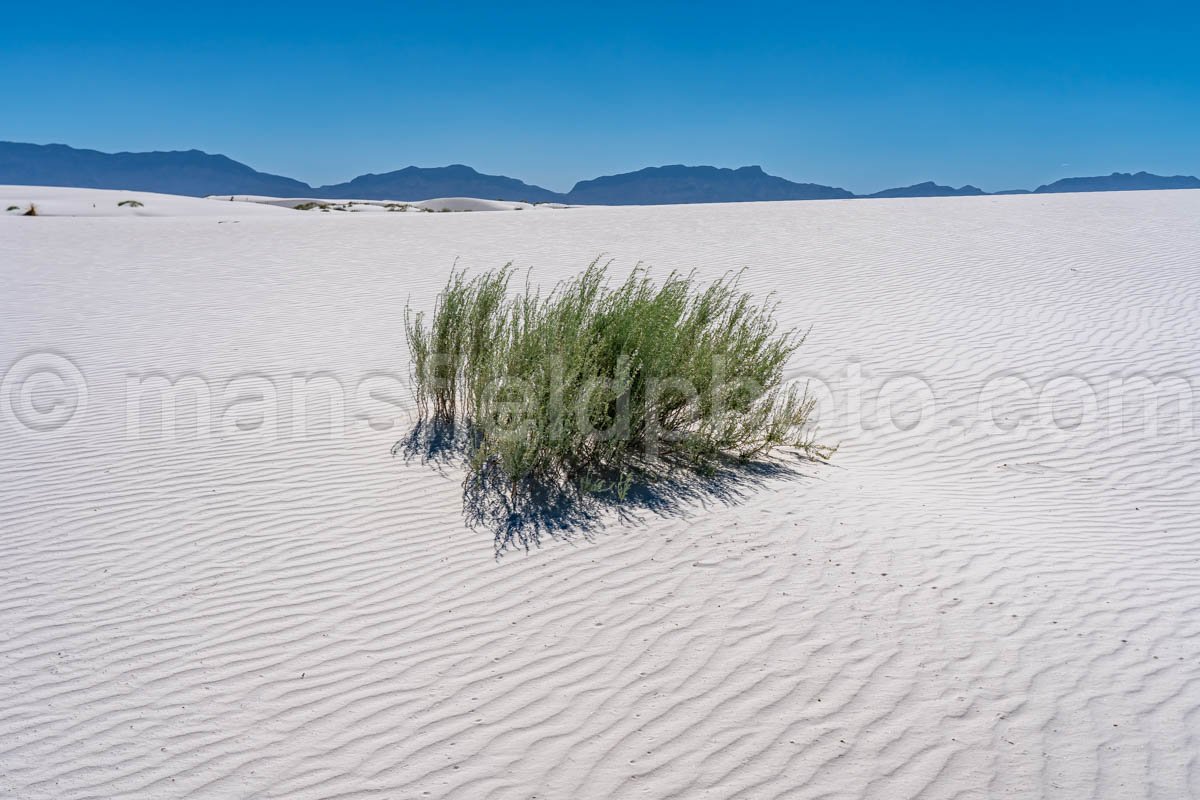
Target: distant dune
<point x="63" y="201"/>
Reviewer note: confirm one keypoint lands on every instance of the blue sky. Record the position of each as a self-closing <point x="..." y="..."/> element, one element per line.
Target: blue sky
<point x="863" y="96"/>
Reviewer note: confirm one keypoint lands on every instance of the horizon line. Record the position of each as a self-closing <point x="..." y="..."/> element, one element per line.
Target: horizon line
<point x="759" y="167"/>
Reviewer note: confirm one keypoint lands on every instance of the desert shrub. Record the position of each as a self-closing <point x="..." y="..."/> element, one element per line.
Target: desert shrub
<point x="596" y="380"/>
<point x="13" y="208"/>
<point x="31" y="211"/>
<point x="311" y="206"/>
<point x="131" y="204"/>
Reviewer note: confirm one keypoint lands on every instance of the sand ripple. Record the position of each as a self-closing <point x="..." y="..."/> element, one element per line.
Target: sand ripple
<point x="955" y="611"/>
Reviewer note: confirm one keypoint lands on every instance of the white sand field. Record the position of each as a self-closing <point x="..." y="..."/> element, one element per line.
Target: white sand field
<point x="56" y="201"/>
<point x="435" y="204"/>
<point x="992" y="591"/>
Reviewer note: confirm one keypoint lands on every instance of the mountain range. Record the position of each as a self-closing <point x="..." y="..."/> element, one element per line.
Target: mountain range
<point x="196" y="173"/>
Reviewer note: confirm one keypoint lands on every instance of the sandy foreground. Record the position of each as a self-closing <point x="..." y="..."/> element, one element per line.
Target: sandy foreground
<point x="992" y="591"/>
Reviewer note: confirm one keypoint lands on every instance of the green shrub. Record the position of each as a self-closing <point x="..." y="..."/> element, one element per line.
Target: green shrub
<point x="13" y="208"/>
<point x="130" y="203"/>
<point x="597" y="382"/>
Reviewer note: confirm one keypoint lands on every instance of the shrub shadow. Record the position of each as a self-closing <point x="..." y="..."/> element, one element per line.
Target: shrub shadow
<point x="435" y="443"/>
<point x="577" y="510"/>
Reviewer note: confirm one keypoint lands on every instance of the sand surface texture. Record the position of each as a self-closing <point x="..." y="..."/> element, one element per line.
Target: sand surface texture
<point x="992" y="591"/>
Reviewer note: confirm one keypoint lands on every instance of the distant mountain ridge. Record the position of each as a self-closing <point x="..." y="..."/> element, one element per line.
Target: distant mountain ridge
<point x="929" y="189"/>
<point x="1121" y="182"/>
<point x="680" y="184"/>
<point x="196" y="173"/>
<point x="424" y="183"/>
<point x="186" y="172"/>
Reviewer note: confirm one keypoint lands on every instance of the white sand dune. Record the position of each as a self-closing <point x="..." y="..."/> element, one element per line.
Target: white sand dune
<point x="59" y="201"/>
<point x="987" y="601"/>
<point x="436" y="204"/>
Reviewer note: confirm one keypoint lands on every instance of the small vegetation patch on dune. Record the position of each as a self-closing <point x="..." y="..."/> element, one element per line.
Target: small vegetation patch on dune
<point x="599" y="382"/>
<point x="130" y="204"/>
